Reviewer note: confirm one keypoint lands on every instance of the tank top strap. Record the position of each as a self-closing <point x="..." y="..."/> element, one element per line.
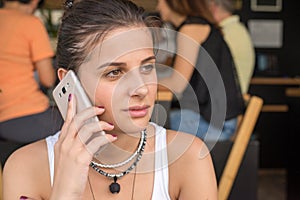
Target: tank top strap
<point x="161" y="176"/>
<point x="51" y="140"/>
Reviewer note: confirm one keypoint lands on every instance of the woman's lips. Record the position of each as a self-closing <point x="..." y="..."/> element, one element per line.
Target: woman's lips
<point x="138" y="111"/>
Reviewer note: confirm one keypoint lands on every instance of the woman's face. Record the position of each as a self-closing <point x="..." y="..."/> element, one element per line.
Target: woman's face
<point x="164" y="10"/>
<point x="120" y="75"/>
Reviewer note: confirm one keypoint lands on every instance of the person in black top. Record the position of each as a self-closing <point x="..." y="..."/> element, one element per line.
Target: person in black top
<point x="207" y="98"/>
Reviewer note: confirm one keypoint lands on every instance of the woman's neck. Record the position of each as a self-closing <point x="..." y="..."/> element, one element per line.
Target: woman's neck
<point x="129" y="141"/>
<point x="125" y="146"/>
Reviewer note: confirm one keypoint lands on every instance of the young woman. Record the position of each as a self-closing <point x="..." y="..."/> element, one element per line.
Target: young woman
<point x="204" y="75"/>
<point x="109" y="45"/>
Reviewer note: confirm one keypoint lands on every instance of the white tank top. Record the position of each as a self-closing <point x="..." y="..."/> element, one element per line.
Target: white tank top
<point x="161" y="176"/>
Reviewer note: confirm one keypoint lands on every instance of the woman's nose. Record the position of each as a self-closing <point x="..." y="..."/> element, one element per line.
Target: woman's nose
<point x="139" y="87"/>
<point x="140" y="91"/>
<point x="137" y="84"/>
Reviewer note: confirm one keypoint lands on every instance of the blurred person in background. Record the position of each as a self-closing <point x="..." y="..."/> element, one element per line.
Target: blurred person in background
<point x="25" y="51"/>
<point x="204" y="78"/>
<point x="238" y="39"/>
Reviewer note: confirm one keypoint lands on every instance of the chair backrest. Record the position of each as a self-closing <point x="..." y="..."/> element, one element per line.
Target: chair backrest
<point x="239" y="147"/>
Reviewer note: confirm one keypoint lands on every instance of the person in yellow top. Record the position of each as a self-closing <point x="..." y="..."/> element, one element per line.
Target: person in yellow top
<point x="237" y="38"/>
<point x="25" y="50"/>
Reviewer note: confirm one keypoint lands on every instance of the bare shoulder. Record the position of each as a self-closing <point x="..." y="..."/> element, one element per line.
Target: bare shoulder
<point x="26" y="170"/>
<point x="185" y="146"/>
<point x="191" y="171"/>
<point x="29" y="154"/>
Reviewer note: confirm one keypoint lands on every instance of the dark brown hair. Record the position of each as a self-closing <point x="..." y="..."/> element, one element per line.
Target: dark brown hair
<point x="192" y="8"/>
<point x="86" y="22"/>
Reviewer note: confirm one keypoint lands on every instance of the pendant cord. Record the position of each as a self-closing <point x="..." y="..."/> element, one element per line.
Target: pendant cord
<point x="133" y="185"/>
<point x="91" y="187"/>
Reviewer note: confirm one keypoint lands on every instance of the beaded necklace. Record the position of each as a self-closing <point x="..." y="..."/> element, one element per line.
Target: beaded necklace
<point x="120" y="164"/>
<point x="115" y="187"/>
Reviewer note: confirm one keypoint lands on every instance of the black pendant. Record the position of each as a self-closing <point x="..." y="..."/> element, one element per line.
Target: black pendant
<point x="114" y="187"/>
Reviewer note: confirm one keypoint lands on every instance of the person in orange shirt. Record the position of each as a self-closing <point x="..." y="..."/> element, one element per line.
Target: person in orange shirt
<point x="25" y="50"/>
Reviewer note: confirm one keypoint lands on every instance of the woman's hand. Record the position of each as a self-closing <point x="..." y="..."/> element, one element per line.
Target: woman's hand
<point x="73" y="155"/>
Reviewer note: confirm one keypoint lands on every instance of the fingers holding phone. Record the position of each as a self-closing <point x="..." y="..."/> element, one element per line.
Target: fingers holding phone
<point x="80" y="115"/>
<point x="87" y="132"/>
<point x="76" y="146"/>
<point x="93" y="134"/>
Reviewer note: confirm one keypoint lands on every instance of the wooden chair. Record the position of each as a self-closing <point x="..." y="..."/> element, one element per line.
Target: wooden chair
<point x="239" y="146"/>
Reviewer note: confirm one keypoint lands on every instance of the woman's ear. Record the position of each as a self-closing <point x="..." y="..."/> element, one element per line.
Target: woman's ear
<point x="61" y="72"/>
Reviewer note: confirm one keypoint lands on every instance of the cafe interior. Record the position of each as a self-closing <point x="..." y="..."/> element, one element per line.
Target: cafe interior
<point x="260" y="162"/>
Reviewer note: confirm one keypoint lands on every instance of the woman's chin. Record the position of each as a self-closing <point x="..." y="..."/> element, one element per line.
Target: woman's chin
<point x="134" y="126"/>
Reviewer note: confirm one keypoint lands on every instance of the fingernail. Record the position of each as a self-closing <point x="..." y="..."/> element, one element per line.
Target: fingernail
<point x="23" y="197"/>
<point x="70" y="97"/>
<point x="110" y="124"/>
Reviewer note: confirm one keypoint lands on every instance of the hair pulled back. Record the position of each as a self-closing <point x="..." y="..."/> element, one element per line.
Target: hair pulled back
<point x="85" y="23"/>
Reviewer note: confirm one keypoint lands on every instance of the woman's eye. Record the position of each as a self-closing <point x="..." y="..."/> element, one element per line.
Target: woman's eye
<point x="147" y="68"/>
<point x="114" y="73"/>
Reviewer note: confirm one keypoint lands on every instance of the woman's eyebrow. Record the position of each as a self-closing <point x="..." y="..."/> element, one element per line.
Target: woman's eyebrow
<point x="148" y="59"/>
<point x="119" y="64"/>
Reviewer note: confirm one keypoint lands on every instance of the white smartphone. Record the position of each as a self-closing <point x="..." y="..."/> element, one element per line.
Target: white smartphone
<point x="70" y="84"/>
